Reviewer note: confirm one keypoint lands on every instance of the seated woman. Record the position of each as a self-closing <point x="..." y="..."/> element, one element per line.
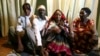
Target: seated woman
<point x="25" y="31"/>
<point x="83" y="29"/>
<point x="57" y="34"/>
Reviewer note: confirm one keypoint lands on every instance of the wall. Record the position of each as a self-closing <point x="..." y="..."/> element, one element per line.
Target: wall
<point x="98" y="19"/>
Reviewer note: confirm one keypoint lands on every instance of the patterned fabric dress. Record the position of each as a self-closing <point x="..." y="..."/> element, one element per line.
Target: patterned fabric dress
<point x="83" y="36"/>
<point x="57" y="42"/>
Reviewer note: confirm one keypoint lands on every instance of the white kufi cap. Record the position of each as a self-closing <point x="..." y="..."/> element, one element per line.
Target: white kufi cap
<point x="41" y="7"/>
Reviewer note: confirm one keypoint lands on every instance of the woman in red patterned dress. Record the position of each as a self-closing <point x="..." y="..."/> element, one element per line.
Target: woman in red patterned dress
<point x="83" y="29"/>
<point x="57" y="35"/>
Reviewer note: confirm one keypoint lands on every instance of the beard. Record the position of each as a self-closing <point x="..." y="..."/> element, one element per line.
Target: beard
<point x="42" y="17"/>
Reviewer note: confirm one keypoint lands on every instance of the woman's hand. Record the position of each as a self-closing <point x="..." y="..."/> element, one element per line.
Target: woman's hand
<point x="81" y="29"/>
<point x="87" y="32"/>
<point x="56" y="29"/>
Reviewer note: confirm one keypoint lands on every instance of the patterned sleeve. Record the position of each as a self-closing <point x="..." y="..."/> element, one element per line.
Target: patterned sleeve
<point x="75" y="25"/>
<point x="51" y="25"/>
<point x="91" y="25"/>
<point x="92" y="22"/>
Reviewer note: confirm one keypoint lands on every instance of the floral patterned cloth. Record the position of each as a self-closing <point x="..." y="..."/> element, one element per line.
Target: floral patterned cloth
<point x="83" y="35"/>
<point x="58" y="41"/>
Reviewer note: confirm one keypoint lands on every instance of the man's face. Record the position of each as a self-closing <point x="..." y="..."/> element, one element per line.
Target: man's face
<point x="41" y="12"/>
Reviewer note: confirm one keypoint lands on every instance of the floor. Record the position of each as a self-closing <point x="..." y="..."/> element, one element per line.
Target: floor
<point x="4" y="47"/>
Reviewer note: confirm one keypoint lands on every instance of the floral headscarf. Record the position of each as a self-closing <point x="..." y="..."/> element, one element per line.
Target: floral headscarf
<point x="54" y="17"/>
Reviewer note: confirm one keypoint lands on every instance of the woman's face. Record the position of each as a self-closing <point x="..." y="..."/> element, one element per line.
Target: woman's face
<point x="83" y="14"/>
<point x="27" y="12"/>
<point x="58" y="15"/>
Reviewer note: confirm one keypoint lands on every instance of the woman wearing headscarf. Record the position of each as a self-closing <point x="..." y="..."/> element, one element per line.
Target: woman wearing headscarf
<point x="83" y="29"/>
<point x="57" y="34"/>
<point x="25" y="30"/>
